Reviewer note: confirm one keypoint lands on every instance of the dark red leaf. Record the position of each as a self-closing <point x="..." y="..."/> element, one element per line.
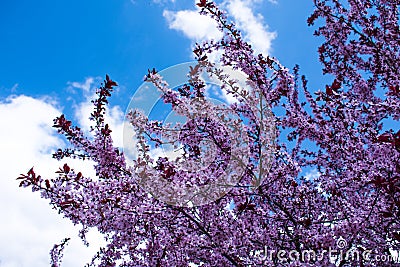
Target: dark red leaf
<point x="394" y="90"/>
<point x="306" y="222"/>
<point x="202" y="3"/>
<point x="321" y="49"/>
<point x="31" y="172"/>
<point x="23" y="176"/>
<point x="336" y="85"/>
<point x="109" y="84"/>
<point x="329" y="90"/>
<point x="241" y="207"/>
<point x="386" y="137"/>
<point x="47" y="183"/>
<point x="66" y="168"/>
<point x="386" y="214"/>
<point x="396" y="236"/>
<point x="251" y="206"/>
<point x="379" y="181"/>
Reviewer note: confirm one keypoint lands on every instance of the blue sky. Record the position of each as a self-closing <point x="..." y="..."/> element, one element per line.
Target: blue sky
<point x="46" y="44"/>
<point x="54" y="53"/>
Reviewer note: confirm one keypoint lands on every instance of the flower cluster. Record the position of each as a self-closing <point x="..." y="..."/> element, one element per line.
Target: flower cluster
<point x="272" y="205"/>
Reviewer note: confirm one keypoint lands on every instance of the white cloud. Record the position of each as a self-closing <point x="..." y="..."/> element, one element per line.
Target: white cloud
<point x="195" y="26"/>
<point x="199" y="28"/>
<point x="312" y="175"/>
<point x="256" y="32"/>
<point x="29" y="226"/>
<point x="85" y="86"/>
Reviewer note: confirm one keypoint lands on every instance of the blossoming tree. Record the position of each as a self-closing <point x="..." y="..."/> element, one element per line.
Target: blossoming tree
<point x="267" y="213"/>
